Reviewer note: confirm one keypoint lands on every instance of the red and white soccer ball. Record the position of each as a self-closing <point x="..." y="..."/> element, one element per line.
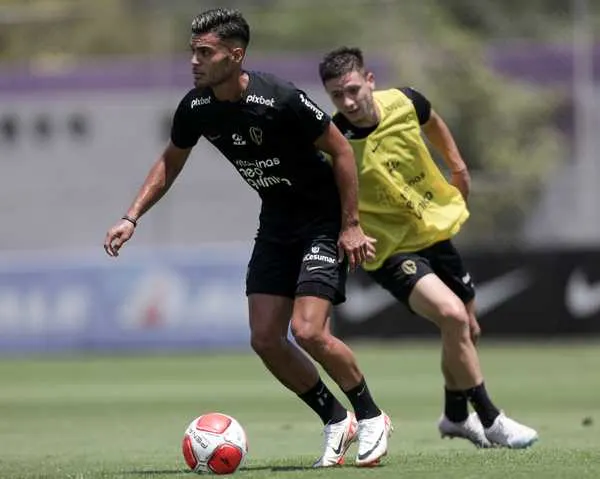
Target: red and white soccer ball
<point x="214" y="443"/>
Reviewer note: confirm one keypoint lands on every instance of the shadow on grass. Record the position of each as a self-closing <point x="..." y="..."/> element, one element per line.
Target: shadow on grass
<point x="164" y="472"/>
<point x="276" y="468"/>
<point x="272" y="468"/>
<point x="291" y="468"/>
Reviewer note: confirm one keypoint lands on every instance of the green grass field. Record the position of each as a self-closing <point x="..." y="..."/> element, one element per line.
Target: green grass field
<point x="123" y="417"/>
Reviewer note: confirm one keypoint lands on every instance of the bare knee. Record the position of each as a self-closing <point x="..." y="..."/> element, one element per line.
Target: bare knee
<point x="266" y="344"/>
<point x="453" y="318"/>
<point x="269" y="316"/>
<point x="310" y="333"/>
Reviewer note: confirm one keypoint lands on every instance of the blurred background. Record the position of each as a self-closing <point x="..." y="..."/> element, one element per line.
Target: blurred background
<point x="87" y="91"/>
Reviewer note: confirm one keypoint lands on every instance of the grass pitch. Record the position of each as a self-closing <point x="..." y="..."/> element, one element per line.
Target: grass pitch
<point x="123" y="417"/>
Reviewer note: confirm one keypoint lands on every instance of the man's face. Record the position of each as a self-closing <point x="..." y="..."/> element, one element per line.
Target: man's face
<point x="214" y="61"/>
<point x="352" y="95"/>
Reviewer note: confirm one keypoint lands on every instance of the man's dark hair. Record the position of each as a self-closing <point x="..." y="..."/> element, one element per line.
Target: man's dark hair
<point x="225" y="23"/>
<point x="341" y="61"/>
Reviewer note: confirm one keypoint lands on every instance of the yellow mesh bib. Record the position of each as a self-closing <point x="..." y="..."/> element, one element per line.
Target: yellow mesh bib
<point x="404" y="200"/>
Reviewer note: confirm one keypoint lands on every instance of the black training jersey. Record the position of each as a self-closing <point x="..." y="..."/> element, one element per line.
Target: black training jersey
<point x="268" y="136"/>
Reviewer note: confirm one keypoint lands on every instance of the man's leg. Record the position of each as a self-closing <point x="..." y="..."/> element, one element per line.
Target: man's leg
<point x="433" y="300"/>
<point x="270" y="285"/>
<point x="269" y="319"/>
<point x="321" y="283"/>
<point x="310" y="329"/>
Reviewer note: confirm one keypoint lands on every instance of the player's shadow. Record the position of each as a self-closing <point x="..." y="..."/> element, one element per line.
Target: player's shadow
<point x="150" y="473"/>
<point x="276" y="468"/>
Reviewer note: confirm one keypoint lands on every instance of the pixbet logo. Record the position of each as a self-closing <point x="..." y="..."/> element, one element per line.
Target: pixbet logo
<point x="261" y="100"/>
<point x="310" y="105"/>
<point x="200" y="101"/>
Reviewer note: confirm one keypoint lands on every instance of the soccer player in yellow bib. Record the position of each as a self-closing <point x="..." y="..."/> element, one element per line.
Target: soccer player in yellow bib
<point x="409" y="207"/>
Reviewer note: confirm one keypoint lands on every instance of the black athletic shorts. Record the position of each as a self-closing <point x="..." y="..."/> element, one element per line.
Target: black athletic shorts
<point x="400" y="272"/>
<point x="303" y="268"/>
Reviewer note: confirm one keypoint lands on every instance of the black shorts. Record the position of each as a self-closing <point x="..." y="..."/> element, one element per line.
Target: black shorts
<point x="303" y="268"/>
<point x="400" y="273"/>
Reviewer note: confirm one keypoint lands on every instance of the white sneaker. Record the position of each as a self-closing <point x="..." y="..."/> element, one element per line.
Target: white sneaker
<point x="338" y="438"/>
<point x="373" y="437"/>
<point x="470" y="429"/>
<point x="507" y="432"/>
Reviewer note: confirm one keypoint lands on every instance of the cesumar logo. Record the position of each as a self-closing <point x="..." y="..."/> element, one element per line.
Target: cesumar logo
<point x="260" y="100"/>
<point x="200" y="101"/>
<point x="319" y="257"/>
<point x="311" y="106"/>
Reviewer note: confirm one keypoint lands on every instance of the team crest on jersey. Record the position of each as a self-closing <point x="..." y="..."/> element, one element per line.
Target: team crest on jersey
<point x="314" y="249"/>
<point x="409" y="267"/>
<point x="256" y="135"/>
<point x="238" y="140"/>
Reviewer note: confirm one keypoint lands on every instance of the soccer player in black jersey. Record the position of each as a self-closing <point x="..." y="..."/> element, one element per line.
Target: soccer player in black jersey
<point x="273" y="135"/>
<point x="413" y="211"/>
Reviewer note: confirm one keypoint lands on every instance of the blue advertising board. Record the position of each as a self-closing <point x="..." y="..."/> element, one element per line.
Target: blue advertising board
<point x="150" y="300"/>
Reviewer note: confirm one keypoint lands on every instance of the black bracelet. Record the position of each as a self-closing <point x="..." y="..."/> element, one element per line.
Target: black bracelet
<point x="133" y="221"/>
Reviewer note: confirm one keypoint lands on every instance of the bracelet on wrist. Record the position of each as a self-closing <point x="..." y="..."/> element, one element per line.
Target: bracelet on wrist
<point x="132" y="220"/>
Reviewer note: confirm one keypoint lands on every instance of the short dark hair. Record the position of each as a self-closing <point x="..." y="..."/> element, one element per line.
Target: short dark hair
<point x="341" y="61"/>
<point x="226" y="23"/>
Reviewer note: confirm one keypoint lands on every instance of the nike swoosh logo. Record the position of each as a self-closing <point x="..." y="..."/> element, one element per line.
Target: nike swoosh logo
<point x="582" y="298"/>
<point x="312" y="268"/>
<point x="370" y="451"/>
<point x="362" y="303"/>
<point x="495" y="292"/>
<point x="338" y="450"/>
<point x="213" y="138"/>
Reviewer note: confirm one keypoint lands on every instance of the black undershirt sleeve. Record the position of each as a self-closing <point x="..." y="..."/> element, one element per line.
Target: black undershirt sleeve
<point x="422" y="105"/>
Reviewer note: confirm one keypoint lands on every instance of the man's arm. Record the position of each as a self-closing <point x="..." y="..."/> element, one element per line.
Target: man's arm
<point x="438" y="133"/>
<point x="334" y="144"/>
<point x="160" y="178"/>
<point x="158" y="181"/>
<point x="353" y="242"/>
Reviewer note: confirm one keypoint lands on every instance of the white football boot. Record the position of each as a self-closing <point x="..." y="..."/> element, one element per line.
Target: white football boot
<point x="506" y="432"/>
<point x="470" y="429"/>
<point x="338" y="438"/>
<point x="373" y="437"/>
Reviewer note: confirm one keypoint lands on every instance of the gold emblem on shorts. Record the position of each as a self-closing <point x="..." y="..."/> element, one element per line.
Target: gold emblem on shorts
<point x="409" y="266"/>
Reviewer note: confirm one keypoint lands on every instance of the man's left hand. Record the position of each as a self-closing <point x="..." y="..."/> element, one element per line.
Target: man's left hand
<point x="461" y="179"/>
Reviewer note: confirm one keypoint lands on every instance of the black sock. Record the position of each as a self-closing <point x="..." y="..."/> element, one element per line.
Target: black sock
<point x="483" y="405"/>
<point x="362" y="402"/>
<point x="324" y="403"/>
<point x="456" y="407"/>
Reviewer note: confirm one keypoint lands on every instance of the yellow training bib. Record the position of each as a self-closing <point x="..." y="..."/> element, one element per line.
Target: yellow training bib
<point x="404" y="200"/>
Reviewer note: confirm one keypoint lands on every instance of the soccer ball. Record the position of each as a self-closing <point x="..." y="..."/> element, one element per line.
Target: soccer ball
<point x="214" y="443"/>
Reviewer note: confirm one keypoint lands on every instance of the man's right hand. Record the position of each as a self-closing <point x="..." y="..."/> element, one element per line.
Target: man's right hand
<point x="117" y="236"/>
<point x="356" y="246"/>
